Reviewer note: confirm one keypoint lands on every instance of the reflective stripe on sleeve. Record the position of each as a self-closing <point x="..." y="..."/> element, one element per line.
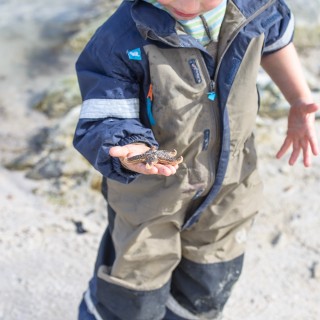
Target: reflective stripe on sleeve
<point x="110" y="108"/>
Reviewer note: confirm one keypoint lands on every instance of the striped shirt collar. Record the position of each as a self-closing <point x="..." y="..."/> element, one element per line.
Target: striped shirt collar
<point x="204" y="28"/>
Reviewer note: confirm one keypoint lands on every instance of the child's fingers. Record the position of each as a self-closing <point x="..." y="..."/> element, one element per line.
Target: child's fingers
<point x="295" y="152"/>
<point x="314" y="144"/>
<point x="141" y="168"/>
<point x="159" y="169"/>
<point x="284" y="148"/>
<point x="306" y="153"/>
<point x="166" y="170"/>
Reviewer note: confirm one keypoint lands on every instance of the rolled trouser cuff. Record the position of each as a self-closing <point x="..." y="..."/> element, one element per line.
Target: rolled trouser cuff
<point x="132" y="304"/>
<point x="203" y="289"/>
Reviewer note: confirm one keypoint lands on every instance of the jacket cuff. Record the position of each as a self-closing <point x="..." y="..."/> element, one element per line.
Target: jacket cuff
<point x="135" y="139"/>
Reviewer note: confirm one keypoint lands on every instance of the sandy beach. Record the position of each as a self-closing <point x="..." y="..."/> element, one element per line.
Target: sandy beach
<point x="48" y="239"/>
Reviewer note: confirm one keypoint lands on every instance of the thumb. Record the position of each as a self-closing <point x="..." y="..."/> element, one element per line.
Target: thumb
<point x="118" y="151"/>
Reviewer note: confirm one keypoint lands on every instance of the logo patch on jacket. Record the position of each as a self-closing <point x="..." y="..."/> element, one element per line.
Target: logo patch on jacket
<point x="134" y="54"/>
<point x="195" y="71"/>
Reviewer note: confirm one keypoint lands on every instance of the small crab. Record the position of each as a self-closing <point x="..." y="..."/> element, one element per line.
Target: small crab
<point x="153" y="156"/>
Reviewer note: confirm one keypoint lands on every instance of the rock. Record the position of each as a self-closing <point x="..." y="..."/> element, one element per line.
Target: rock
<point x="54" y="157"/>
<point x="79" y="227"/>
<point x="315" y="270"/>
<point x="78" y="41"/>
<point x="61" y="136"/>
<point x="303" y="41"/>
<point x="24" y="161"/>
<point x="60" y="99"/>
<point x="95" y="180"/>
<point x="279" y="238"/>
<point x="59" y="156"/>
<point x="272" y="101"/>
<point x="46" y="168"/>
<point x="73" y="164"/>
<point x="34" y="153"/>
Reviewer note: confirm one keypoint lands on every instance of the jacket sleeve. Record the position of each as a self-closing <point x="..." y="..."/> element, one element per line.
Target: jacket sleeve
<point x="279" y="27"/>
<point x="110" y="110"/>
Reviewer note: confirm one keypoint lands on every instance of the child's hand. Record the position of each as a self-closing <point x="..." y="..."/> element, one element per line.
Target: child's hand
<point x="130" y="150"/>
<point x="301" y="133"/>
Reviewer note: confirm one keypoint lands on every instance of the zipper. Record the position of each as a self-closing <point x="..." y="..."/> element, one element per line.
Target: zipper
<point x="212" y="87"/>
<point x="236" y="32"/>
<point x="212" y="90"/>
<point x="216" y="125"/>
<point x="212" y="83"/>
<point x="217" y="144"/>
<point x="206" y="27"/>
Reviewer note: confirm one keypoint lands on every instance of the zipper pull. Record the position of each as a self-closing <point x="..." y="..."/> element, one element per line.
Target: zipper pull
<point x="212" y="94"/>
<point x="149" y="106"/>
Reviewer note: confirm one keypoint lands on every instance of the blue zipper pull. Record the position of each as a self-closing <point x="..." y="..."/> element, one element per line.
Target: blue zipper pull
<point x="212" y="94"/>
<point x="149" y="106"/>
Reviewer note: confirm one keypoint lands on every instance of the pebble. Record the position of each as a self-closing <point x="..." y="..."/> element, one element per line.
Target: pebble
<point x="315" y="270"/>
